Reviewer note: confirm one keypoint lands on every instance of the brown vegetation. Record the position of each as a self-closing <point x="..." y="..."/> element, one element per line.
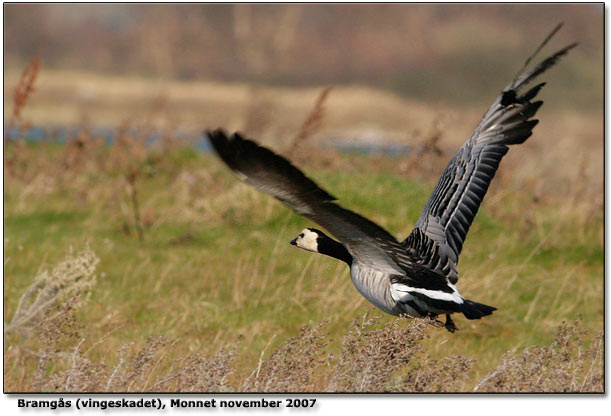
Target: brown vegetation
<point x="374" y="358"/>
<point x="22" y="92"/>
<point x="310" y="125"/>
<point x="574" y="362"/>
<point x="49" y="349"/>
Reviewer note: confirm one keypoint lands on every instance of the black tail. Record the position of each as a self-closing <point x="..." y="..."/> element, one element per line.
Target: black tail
<point x="474" y="310"/>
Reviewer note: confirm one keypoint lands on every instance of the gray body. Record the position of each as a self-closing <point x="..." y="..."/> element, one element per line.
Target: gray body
<point x="374" y="285"/>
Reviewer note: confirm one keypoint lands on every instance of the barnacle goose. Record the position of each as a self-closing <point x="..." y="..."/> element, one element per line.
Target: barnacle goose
<point x="418" y="276"/>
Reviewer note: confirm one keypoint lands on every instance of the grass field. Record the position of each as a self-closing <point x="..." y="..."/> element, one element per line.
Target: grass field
<point x="212" y="296"/>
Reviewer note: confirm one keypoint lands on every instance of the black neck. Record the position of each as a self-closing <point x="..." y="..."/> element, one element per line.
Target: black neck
<point x="330" y="247"/>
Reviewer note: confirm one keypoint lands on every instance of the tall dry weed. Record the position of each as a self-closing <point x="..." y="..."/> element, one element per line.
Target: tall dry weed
<point x="374" y="357"/>
<point x="22" y="92"/>
<point x="293" y="365"/>
<point x="61" y="363"/>
<point x="259" y="112"/>
<point x="572" y="363"/>
<point x="83" y="152"/>
<point x="391" y="358"/>
<point x="311" y="124"/>
<point x="201" y="373"/>
<point x="72" y="278"/>
<point x="16" y="151"/>
<point x="128" y="157"/>
<point x="424" y="160"/>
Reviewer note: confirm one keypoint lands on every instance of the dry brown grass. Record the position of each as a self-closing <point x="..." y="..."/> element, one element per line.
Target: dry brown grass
<point x="391" y="358"/>
<point x="292" y="366"/>
<point x="311" y="124"/>
<point x="59" y="355"/>
<point x="573" y="363"/>
<point x="22" y="92"/>
<point x="374" y="357"/>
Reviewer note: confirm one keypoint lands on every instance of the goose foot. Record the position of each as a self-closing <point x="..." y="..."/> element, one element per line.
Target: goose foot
<point x="450" y="326"/>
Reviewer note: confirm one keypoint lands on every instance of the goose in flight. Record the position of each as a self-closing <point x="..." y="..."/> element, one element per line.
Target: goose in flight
<point x="418" y="276"/>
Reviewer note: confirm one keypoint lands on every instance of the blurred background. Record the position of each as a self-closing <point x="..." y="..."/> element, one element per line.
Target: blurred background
<point x="372" y="100"/>
<point x="457" y="54"/>
<point x="400" y="73"/>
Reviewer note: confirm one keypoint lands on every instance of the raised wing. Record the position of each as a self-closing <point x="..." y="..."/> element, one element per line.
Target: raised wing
<point x="444" y="222"/>
<point x="268" y="172"/>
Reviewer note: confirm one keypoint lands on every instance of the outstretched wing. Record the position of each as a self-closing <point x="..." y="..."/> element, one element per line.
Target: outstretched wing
<point x="268" y="172"/>
<point x="442" y="227"/>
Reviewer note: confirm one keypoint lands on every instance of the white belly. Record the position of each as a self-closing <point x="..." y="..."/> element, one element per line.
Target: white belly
<point x="374" y="285"/>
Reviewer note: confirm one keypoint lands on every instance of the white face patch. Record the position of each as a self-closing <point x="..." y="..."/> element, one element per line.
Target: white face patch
<point x="307" y="240"/>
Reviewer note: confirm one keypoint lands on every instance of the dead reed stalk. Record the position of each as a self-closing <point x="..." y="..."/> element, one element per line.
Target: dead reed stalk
<point x="131" y="176"/>
<point x="419" y="161"/>
<point x="21" y="93"/>
<point x="23" y="90"/>
<point x="129" y="156"/>
<point x="259" y="112"/>
<point x="311" y="124"/>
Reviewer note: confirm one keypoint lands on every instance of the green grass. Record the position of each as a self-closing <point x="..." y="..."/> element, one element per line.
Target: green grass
<point x="215" y="263"/>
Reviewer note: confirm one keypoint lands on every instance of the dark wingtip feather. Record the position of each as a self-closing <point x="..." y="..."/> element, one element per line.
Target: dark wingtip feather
<point x="217" y="138"/>
<point x="224" y="146"/>
<point x="216" y="135"/>
<point x="520" y="80"/>
<point x="532" y="109"/>
<point x="531" y="93"/>
<point x="248" y="158"/>
<point x="542" y="67"/>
